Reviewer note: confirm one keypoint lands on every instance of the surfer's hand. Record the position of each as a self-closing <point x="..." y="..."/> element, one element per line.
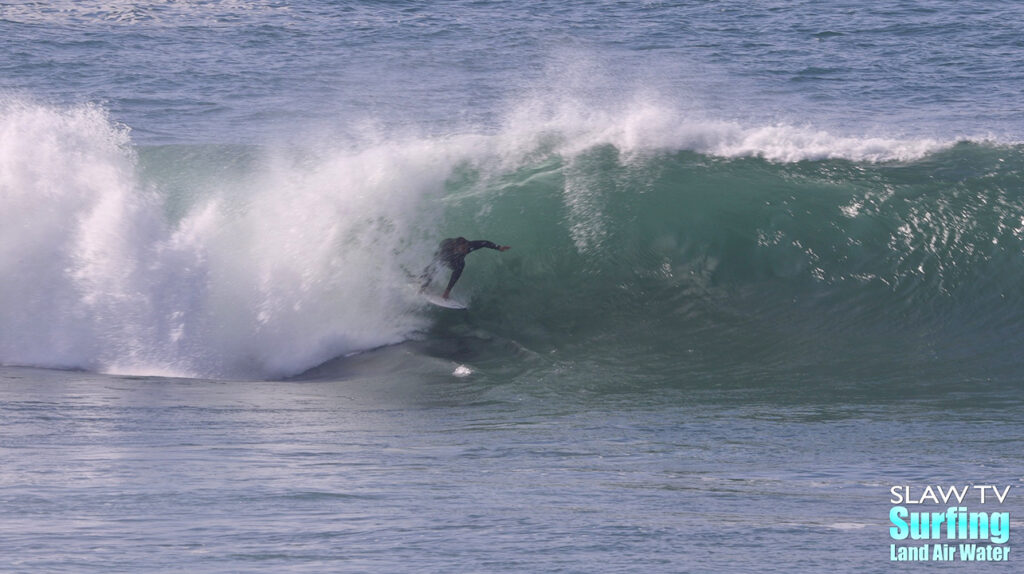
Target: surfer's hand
<point x="504" y="248"/>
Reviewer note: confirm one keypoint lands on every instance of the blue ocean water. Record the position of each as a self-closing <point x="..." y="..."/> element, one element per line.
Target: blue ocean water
<point x="766" y="265"/>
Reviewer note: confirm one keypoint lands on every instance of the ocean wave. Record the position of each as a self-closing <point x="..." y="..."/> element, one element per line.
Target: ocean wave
<point x="640" y="234"/>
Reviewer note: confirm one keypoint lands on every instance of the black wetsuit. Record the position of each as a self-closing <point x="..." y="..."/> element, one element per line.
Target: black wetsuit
<point x="449" y="255"/>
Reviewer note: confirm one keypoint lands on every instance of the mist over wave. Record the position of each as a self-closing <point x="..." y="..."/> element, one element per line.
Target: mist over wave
<point x="637" y="230"/>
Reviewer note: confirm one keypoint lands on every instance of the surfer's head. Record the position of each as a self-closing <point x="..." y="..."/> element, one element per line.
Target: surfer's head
<point x="461" y="245"/>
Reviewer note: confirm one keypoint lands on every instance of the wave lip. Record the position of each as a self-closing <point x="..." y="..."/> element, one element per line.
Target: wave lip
<point x="642" y="125"/>
<point x="787" y="144"/>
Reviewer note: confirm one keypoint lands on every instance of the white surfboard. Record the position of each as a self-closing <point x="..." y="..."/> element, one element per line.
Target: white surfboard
<point x="441" y="302"/>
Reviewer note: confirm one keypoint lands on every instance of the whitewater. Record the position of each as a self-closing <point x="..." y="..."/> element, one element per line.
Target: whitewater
<point x="766" y="265"/>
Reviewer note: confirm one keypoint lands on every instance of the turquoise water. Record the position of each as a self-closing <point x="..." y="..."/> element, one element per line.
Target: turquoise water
<point x="766" y="264"/>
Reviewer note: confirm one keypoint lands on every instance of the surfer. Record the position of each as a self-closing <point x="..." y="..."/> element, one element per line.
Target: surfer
<point x="452" y="254"/>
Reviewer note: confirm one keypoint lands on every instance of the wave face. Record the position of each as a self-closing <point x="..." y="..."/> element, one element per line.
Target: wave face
<point x="689" y="264"/>
<point x="643" y="238"/>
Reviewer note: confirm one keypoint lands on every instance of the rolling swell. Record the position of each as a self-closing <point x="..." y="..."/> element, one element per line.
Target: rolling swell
<point x="696" y="264"/>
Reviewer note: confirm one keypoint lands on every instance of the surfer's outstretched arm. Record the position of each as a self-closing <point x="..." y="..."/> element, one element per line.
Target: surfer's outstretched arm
<point x="481" y="243"/>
